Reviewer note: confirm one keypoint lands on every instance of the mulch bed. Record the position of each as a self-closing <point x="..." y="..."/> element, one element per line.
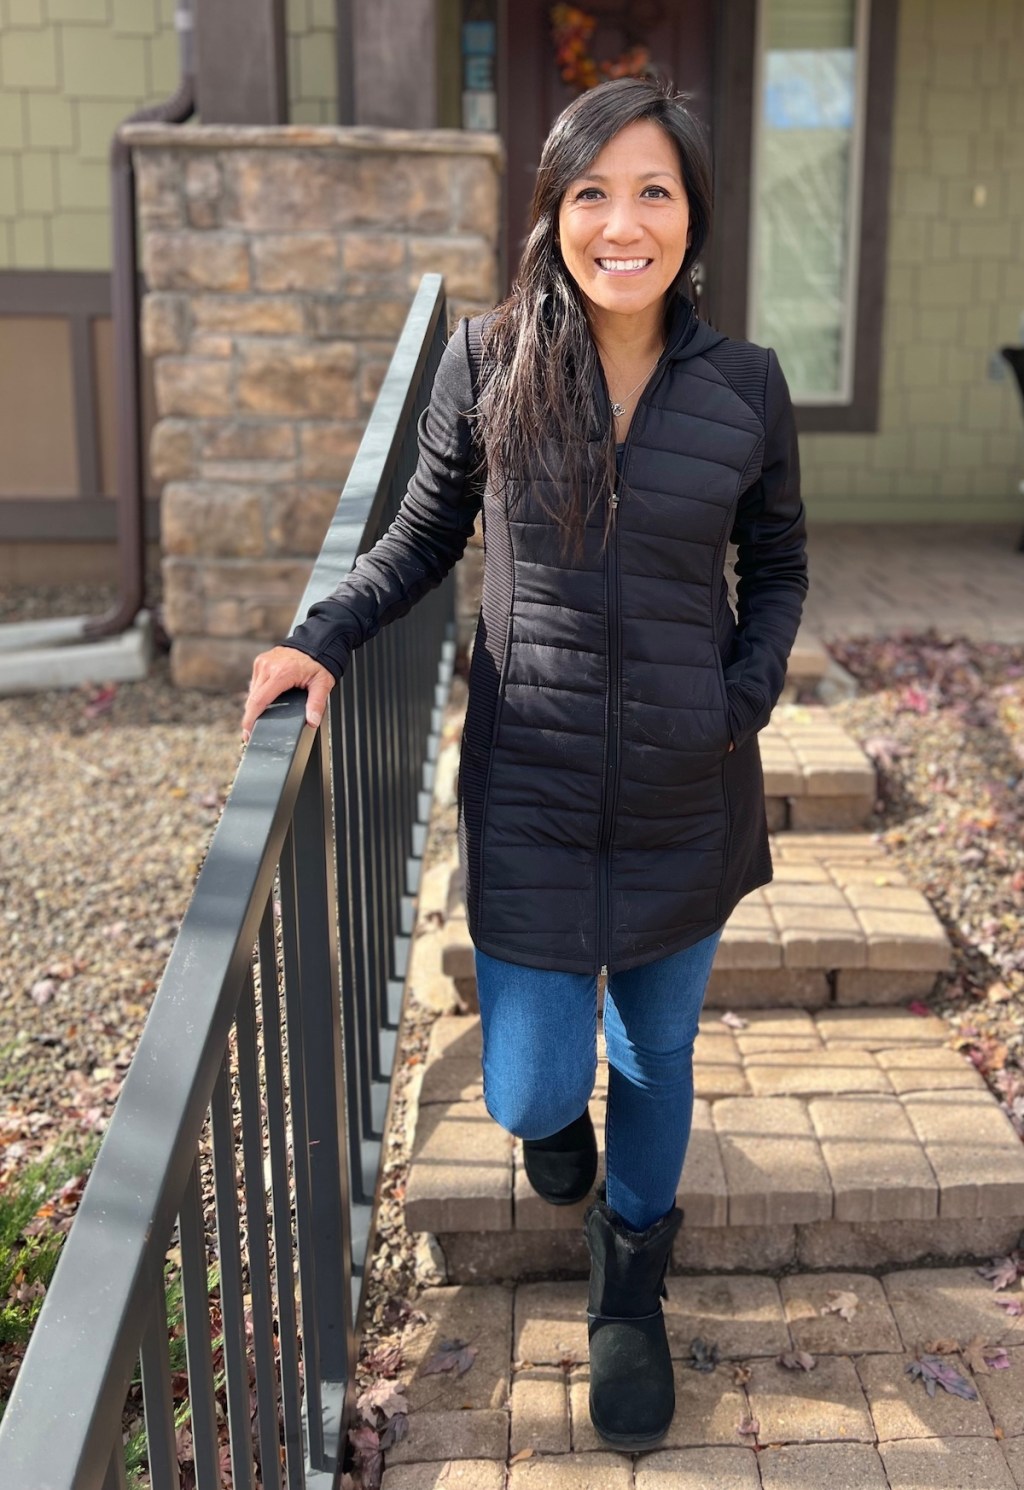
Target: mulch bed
<point x="943" y="720"/>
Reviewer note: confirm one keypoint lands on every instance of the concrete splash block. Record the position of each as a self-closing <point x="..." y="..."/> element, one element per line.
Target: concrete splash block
<point x="37" y="655"/>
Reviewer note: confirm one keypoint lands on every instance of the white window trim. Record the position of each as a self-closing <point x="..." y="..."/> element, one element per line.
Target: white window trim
<point x="862" y="17"/>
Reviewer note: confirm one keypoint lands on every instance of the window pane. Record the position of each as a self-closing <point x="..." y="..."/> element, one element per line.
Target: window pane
<point x="802" y="260"/>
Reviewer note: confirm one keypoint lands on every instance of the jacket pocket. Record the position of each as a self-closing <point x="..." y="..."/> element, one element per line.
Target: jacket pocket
<point x="723" y="699"/>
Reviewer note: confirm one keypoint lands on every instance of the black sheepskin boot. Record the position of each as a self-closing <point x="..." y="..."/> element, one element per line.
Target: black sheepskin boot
<point x="632" y="1393"/>
<point x="563" y="1166"/>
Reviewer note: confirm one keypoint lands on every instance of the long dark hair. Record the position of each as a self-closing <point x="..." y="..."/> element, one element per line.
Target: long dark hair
<point x="541" y="359"/>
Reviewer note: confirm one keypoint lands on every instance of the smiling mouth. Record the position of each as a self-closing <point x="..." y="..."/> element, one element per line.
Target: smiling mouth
<point x="623" y="266"/>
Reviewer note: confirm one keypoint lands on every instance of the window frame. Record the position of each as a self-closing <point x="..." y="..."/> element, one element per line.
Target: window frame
<point x="729" y="255"/>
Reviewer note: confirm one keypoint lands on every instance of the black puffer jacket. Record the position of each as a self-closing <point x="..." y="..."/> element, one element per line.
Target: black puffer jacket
<point x="603" y="818"/>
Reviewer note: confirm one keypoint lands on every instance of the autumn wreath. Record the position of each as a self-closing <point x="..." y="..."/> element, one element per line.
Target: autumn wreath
<point x="571" y="30"/>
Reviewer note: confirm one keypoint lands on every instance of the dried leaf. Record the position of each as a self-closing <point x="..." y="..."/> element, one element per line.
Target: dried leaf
<point x="1013" y="1306"/>
<point x="933" y="1369"/>
<point x="369" y="1458"/>
<point x="1003" y="1271"/>
<point x="734" y="1021"/>
<point x="703" y="1355"/>
<point x="797" y="1360"/>
<point x="384" y="1360"/>
<point x="522" y="1454"/>
<point x="382" y="1396"/>
<point x="741" y="1374"/>
<point x="943" y="1346"/>
<point x="749" y="1425"/>
<point x="394" y="1430"/>
<point x="840" y="1301"/>
<point x="451" y="1355"/>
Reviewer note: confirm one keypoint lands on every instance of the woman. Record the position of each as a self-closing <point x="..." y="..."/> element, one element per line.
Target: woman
<point x="611" y="795"/>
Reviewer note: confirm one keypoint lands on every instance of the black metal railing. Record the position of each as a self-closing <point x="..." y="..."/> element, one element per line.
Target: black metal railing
<point x="235" y="1185"/>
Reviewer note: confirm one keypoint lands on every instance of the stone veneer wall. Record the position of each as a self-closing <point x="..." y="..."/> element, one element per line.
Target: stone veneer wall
<point x="280" y="265"/>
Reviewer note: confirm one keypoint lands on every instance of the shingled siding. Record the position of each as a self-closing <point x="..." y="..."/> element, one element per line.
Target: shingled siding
<point x="70" y="72"/>
<point x="280" y="264"/>
<point x="951" y="440"/>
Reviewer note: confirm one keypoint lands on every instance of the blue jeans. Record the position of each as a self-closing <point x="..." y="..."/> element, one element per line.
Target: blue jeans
<point x="540" y="1061"/>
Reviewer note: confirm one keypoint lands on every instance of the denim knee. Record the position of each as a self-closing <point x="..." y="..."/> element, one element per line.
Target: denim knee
<point x="531" y="1108"/>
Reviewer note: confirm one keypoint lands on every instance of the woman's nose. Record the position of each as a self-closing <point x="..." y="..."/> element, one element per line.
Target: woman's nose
<point x="622" y="224"/>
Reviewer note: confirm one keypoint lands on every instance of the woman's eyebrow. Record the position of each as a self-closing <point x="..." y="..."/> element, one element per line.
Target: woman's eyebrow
<point x="641" y="176"/>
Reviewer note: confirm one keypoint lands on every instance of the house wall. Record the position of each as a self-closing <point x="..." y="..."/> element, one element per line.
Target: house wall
<point x="70" y="72"/>
<point x="950" y="446"/>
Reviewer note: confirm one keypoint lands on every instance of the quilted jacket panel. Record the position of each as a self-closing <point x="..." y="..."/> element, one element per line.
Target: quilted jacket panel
<point x="603" y="818"/>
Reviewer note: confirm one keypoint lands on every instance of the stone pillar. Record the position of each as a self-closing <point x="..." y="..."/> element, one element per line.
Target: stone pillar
<point x="280" y="265"/>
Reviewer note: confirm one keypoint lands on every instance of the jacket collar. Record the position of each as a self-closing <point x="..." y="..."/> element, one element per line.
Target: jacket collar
<point x="688" y="336"/>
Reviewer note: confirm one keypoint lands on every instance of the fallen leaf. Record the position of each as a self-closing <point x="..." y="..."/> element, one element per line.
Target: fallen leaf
<point x="943" y="1346"/>
<point x="933" y="1369"/>
<point x="741" y="1374"/>
<point x="916" y="1007"/>
<point x="383" y="1396"/>
<point x="749" y="1425"/>
<point x="522" y="1454"/>
<point x="840" y="1301"/>
<point x="42" y="991"/>
<point x="703" y="1356"/>
<point x="797" y="1360"/>
<point x="369" y="1458"/>
<point x="734" y="1021"/>
<point x="451" y="1355"/>
<point x="384" y="1360"/>
<point x="1012" y="1306"/>
<point x="100" y="702"/>
<point x="1003" y="1271"/>
<point x="394" y="1430"/>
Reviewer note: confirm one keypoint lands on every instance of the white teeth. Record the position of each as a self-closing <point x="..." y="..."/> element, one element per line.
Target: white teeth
<point x="621" y="266"/>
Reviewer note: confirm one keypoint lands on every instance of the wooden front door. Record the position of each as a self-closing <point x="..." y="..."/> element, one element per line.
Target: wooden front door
<point x="678" y="33"/>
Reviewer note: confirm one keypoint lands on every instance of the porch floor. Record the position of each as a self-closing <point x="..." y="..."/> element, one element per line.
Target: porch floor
<point x="878" y="579"/>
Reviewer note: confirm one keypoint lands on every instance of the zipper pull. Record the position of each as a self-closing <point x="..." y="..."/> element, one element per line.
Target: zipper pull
<point x="615" y="500"/>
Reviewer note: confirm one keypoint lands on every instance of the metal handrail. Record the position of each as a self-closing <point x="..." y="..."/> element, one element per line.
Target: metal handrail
<point x="312" y="867"/>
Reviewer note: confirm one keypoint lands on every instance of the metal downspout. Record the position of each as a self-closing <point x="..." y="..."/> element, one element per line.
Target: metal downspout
<point x="131" y="537"/>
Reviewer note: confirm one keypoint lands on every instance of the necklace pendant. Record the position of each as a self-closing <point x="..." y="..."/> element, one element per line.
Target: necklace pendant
<point x="618" y="410"/>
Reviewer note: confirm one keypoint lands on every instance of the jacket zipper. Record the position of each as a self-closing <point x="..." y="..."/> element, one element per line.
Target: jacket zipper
<point x="610" y="783"/>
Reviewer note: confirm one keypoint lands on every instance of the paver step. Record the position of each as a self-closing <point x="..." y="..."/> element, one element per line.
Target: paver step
<point x="808" y="661"/>
<point x="816" y="775"/>
<point x="520" y="1417"/>
<point x="838" y="925"/>
<point x="839" y="1138"/>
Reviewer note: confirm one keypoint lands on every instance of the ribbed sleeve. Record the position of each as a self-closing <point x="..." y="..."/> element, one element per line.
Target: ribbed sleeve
<point x="771" y="567"/>
<point x="429" y="533"/>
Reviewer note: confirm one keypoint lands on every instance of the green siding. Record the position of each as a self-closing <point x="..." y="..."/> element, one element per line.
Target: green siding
<point x="951" y="441"/>
<point x="70" y="72"/>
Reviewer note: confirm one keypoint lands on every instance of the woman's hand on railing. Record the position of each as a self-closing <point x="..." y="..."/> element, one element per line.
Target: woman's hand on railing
<point x="274" y="672"/>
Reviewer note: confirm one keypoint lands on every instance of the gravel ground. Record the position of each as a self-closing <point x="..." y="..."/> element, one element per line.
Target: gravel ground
<point x="107" y="802"/>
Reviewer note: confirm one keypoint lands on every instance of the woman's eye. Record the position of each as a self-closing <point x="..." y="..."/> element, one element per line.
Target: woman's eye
<point x="658" y="190"/>
<point x="588" y="194"/>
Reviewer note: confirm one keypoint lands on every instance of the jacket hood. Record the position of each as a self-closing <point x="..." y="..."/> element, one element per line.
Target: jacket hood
<point x="689" y="336"/>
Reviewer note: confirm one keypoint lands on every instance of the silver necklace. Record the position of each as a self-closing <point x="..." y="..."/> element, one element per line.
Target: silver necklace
<point x="618" y="409"/>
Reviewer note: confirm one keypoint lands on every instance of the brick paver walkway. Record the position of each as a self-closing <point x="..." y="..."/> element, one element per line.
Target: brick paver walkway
<point x="880" y="578"/>
<point x="837" y="1139"/>
<point x="518" y="1418"/>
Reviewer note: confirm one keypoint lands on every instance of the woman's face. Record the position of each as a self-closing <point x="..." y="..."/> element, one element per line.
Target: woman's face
<point x="624" y="225"/>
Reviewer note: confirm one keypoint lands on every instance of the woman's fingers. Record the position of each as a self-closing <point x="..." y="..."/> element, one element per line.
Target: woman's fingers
<point x="274" y="672"/>
<point x="316" y="696"/>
